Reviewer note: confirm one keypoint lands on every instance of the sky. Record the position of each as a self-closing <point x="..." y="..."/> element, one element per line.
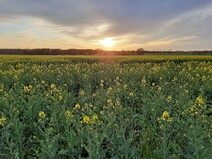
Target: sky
<point x="106" y="24"/>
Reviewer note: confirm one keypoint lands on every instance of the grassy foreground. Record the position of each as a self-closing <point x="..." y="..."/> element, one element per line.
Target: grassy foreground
<point x="153" y="107"/>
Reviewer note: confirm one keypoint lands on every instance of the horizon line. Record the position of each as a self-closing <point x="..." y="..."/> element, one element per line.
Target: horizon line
<point x="99" y="49"/>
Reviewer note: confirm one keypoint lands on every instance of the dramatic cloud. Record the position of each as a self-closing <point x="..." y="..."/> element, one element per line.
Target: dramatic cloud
<point x="152" y="24"/>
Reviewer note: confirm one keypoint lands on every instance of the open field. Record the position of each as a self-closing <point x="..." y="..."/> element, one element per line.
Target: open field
<point x="140" y="58"/>
<point x="151" y="107"/>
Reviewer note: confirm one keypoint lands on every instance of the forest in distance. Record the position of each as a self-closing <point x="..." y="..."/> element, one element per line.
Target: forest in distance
<point x="140" y="51"/>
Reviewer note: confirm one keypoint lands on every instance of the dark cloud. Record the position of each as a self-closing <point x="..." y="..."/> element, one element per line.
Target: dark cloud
<point x="74" y="12"/>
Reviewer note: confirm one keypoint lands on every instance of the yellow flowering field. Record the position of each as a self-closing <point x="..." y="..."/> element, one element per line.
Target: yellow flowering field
<point x="156" y="107"/>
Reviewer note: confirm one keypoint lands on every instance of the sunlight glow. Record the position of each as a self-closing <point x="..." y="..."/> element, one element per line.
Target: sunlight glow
<point x="107" y="42"/>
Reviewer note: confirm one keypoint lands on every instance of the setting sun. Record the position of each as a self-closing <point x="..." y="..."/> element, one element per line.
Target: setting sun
<point x="107" y="42"/>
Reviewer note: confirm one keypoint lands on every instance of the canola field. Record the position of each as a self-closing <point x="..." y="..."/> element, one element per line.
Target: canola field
<point x="66" y="107"/>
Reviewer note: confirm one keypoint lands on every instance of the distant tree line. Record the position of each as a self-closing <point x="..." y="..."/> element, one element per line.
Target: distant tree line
<point x="140" y="51"/>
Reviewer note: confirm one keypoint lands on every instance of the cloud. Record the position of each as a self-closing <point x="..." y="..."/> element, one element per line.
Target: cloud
<point x="168" y="41"/>
<point x="140" y="21"/>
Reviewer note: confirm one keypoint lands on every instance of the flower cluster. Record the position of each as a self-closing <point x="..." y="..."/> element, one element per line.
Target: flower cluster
<point x="2" y="121"/>
<point x="165" y="117"/>
<point x="27" y="89"/>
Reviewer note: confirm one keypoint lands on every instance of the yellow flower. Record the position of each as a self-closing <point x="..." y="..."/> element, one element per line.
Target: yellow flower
<point x="77" y="106"/>
<point x="109" y="90"/>
<point x="170" y="120"/>
<point x="169" y="98"/>
<point x="131" y="94"/>
<point x="68" y="113"/>
<point x="193" y="108"/>
<point x="102" y="83"/>
<point x="159" y="88"/>
<point x="82" y="93"/>
<point x="60" y="97"/>
<point x="109" y="102"/>
<point x="204" y="78"/>
<point x="95" y="117"/>
<point x="161" y="126"/>
<point x="143" y="81"/>
<point x="53" y="86"/>
<point x="186" y="91"/>
<point x="42" y="114"/>
<point x="199" y="101"/>
<point x="16" y="78"/>
<point x="102" y="112"/>
<point x="165" y="115"/>
<point x="2" y="121"/>
<point x="86" y="119"/>
<point x="117" y="102"/>
<point x="125" y="86"/>
<point x="28" y="89"/>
